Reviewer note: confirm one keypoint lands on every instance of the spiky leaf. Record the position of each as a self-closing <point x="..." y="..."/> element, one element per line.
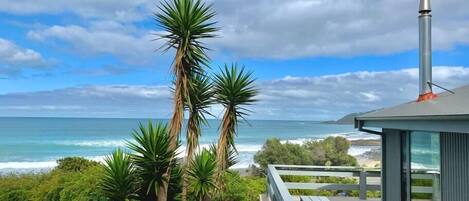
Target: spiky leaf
<point x="152" y="154"/>
<point x="119" y="181"/>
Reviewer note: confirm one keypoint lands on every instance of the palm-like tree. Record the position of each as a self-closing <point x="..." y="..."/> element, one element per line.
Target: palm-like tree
<point x="202" y="174"/>
<point x="152" y="156"/>
<point x="234" y="89"/>
<point x="186" y="23"/>
<point x="175" y="184"/>
<point x="119" y="181"/>
<point x="231" y="155"/>
<point x="200" y="99"/>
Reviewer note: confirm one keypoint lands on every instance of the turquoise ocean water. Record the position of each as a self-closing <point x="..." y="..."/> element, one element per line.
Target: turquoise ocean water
<point x="35" y="143"/>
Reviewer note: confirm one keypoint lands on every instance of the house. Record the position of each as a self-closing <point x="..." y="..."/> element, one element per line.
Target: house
<point x="424" y="141"/>
<point x="424" y="138"/>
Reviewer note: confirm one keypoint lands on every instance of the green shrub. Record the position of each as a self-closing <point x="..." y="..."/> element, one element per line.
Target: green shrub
<point x="241" y="188"/>
<point x="77" y="182"/>
<point x="17" y="187"/>
<point x="83" y="186"/>
<point x="274" y="152"/>
<point x="66" y="185"/>
<point x="333" y="151"/>
<point x="61" y="185"/>
<point x="74" y="164"/>
<point x="15" y="195"/>
<point x="254" y="187"/>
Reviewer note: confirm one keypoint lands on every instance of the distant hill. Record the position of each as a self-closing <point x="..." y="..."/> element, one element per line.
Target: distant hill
<point x="347" y="119"/>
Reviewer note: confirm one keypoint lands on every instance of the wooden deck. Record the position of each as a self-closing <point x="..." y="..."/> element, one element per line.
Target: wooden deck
<point x="278" y="190"/>
<point x="264" y="197"/>
<point x="339" y="199"/>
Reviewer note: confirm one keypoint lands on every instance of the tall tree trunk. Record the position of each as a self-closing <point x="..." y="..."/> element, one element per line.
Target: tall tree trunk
<point x="224" y="145"/>
<point x="192" y="143"/>
<point x="177" y="118"/>
<point x="162" y="194"/>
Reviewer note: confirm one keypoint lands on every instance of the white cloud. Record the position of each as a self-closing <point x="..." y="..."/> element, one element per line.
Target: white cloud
<point x="14" y="59"/>
<point x="370" y="96"/>
<point x="128" y="90"/>
<point x="303" y="98"/>
<point x="91" y="101"/>
<point x="306" y="28"/>
<point x="103" y="38"/>
<point x="331" y="96"/>
<point x="280" y="29"/>
<point x="122" y="10"/>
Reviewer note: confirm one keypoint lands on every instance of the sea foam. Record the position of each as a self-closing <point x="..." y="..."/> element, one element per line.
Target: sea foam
<point x="246" y="150"/>
<point x="93" y="143"/>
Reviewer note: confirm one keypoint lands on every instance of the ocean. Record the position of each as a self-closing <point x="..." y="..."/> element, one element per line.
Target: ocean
<point x="30" y="144"/>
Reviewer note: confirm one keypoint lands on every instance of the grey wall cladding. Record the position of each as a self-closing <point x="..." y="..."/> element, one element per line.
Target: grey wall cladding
<point x="391" y="165"/>
<point x="454" y="167"/>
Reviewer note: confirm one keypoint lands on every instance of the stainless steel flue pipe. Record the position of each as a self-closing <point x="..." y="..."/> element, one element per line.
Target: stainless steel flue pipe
<point x="425" y="47"/>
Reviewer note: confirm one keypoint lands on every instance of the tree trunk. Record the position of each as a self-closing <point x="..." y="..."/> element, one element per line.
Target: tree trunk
<point x="223" y="146"/>
<point x="176" y="121"/>
<point x="192" y="144"/>
<point x="162" y="194"/>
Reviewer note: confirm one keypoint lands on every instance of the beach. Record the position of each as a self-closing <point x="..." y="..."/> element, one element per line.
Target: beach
<point x="34" y="144"/>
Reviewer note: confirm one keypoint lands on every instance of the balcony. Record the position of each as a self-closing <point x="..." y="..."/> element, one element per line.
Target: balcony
<point x="278" y="190"/>
<point x="366" y="180"/>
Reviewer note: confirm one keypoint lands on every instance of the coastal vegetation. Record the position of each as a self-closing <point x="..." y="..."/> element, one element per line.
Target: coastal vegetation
<point x="185" y="23"/>
<point x="150" y="170"/>
<point x="200" y="99"/>
<point x="332" y="151"/>
<point x="233" y="89"/>
<point x="133" y="173"/>
<point x="148" y="167"/>
<point x="86" y="184"/>
<point x="65" y="182"/>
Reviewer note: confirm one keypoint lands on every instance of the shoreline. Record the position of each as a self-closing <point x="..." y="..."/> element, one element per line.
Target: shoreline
<point x="367" y="142"/>
<point x="363" y="154"/>
<point x="361" y="149"/>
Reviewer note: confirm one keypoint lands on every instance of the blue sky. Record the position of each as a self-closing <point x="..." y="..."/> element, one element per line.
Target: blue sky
<point x="314" y="59"/>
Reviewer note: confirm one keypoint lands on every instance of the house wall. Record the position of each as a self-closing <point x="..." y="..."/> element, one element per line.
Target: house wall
<point x="454" y="166"/>
<point x="391" y="168"/>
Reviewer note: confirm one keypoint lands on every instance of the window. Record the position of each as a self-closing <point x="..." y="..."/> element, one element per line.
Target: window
<point x="405" y="173"/>
<point x="421" y="154"/>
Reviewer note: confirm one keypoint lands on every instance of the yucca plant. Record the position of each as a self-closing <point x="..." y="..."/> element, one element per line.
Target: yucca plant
<point x="119" y="182"/>
<point x="231" y="155"/>
<point x="152" y="157"/>
<point x="200" y="100"/>
<point x="185" y="23"/>
<point x="202" y="174"/>
<point x="234" y="89"/>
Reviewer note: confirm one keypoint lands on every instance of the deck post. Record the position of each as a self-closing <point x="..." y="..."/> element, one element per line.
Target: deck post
<point x="436" y="187"/>
<point x="277" y="190"/>
<point x="362" y="183"/>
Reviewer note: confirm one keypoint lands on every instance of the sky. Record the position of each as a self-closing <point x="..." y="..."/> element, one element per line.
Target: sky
<point x="313" y="59"/>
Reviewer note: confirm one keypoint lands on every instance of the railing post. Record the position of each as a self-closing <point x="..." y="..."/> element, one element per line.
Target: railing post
<point x="362" y="183"/>
<point x="436" y="187"/>
<point x="279" y="192"/>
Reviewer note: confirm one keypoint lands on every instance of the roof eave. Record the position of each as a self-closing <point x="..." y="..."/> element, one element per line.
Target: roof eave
<point x="443" y="123"/>
<point x="427" y="117"/>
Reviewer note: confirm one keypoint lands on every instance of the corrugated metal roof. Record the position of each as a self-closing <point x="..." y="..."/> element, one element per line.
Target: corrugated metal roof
<point x="446" y="106"/>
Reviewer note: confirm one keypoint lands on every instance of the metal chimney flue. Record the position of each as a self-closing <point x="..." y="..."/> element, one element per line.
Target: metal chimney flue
<point x="425" y="6"/>
<point x="425" y="52"/>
